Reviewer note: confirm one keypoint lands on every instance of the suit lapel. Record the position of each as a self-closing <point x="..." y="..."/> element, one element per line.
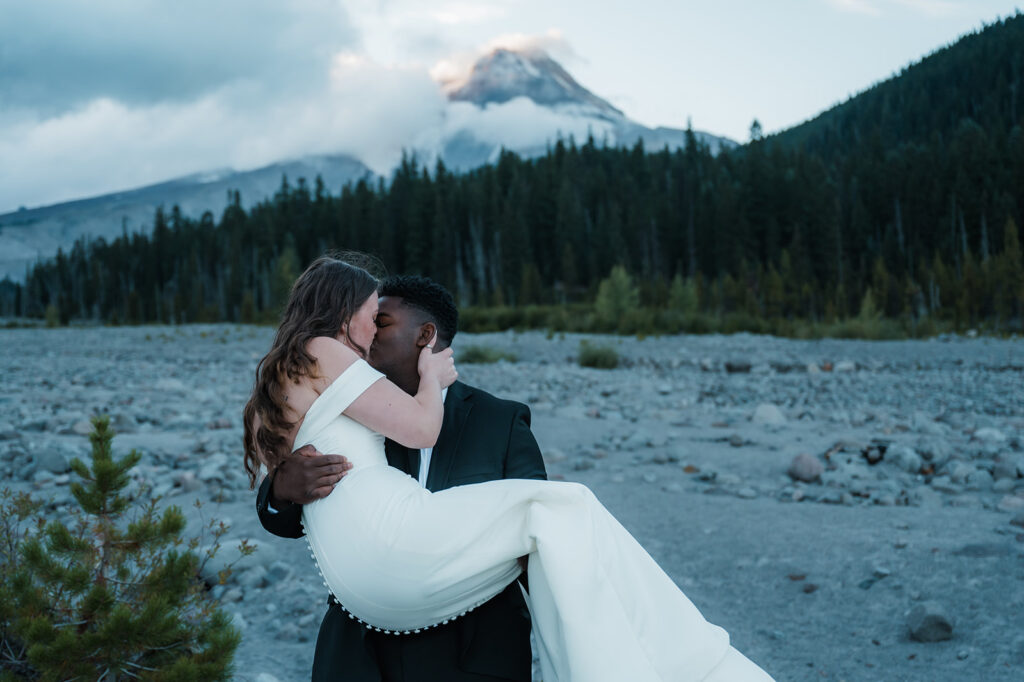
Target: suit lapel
<point x="457" y="407"/>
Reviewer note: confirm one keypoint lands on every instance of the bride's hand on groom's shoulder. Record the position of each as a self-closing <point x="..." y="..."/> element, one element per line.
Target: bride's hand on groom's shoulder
<point x="307" y="476"/>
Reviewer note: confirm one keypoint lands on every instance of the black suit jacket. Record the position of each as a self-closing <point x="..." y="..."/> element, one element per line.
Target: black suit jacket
<point x="482" y="438"/>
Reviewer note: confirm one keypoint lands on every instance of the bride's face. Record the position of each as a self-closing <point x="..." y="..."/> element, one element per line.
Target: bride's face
<point x="362" y="326"/>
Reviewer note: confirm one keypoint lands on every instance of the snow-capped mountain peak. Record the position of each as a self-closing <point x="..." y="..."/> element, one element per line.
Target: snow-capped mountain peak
<point x="505" y="74"/>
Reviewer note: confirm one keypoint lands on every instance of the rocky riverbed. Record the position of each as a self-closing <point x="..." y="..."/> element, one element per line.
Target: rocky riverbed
<point x="847" y="510"/>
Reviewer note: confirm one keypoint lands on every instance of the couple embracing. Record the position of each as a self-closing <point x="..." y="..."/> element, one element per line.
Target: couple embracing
<point x="442" y="543"/>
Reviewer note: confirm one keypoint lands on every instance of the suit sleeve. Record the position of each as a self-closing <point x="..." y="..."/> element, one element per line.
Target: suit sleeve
<point x="285" y="523"/>
<point x="523" y="459"/>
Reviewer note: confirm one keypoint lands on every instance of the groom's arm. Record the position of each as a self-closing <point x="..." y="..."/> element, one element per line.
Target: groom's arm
<point x="523" y="458"/>
<point x="281" y="519"/>
<point x="303" y="477"/>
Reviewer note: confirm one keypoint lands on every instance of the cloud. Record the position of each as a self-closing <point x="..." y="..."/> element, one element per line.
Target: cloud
<point x="364" y="109"/>
<point x="520" y="123"/>
<point x="856" y="6"/>
<point x="62" y="54"/>
<point x="117" y="94"/>
<point x="874" y="8"/>
<point x="933" y="8"/>
<point x="455" y="13"/>
<point x="122" y="93"/>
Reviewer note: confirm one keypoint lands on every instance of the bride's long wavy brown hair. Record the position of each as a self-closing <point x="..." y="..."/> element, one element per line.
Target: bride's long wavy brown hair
<point x="322" y="301"/>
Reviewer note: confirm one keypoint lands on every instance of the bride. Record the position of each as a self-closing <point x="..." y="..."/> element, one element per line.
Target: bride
<point x="400" y="558"/>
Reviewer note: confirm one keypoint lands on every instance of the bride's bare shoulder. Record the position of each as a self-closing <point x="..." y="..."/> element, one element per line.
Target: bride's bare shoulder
<point x="332" y="356"/>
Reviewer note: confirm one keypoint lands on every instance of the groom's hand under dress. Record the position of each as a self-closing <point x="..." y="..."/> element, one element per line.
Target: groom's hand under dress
<point x="306" y="476"/>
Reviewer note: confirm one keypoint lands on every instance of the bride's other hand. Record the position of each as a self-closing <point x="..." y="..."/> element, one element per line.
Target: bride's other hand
<point x="438" y="365"/>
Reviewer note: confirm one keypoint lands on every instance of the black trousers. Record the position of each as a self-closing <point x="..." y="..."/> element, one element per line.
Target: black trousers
<point x="489" y="644"/>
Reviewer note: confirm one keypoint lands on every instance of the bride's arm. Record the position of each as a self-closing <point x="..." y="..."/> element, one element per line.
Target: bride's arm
<point x="413" y="421"/>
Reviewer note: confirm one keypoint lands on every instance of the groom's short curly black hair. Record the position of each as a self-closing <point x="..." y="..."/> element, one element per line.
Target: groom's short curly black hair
<point x="428" y="296"/>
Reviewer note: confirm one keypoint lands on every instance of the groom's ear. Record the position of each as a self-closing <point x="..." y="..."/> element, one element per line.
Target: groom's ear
<point x="426" y="333"/>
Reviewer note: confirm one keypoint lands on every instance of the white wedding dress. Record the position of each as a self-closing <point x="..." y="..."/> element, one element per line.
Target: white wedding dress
<point x="401" y="559"/>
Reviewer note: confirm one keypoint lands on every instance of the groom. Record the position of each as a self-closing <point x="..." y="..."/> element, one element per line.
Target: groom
<point x="482" y="438"/>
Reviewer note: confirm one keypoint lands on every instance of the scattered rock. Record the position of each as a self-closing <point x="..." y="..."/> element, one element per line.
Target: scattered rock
<point x="805" y="467"/>
<point x="746" y="493"/>
<point x="728" y="479"/>
<point x="768" y="414"/>
<point x="979" y="479"/>
<point x="50" y="460"/>
<point x="253" y="578"/>
<point x="289" y="632"/>
<point x="554" y="455"/>
<point x="169" y="384"/>
<point x="928" y="622"/>
<point x="989" y="435"/>
<point x="211" y="472"/>
<point x="233" y="594"/>
<point x="1004" y="468"/>
<point x="922" y="423"/>
<point x="1004" y="485"/>
<point x="958" y="471"/>
<point x="238" y="620"/>
<point x="582" y="464"/>
<point x="83" y="427"/>
<point x="903" y="458"/>
<point x="1011" y="503"/>
<point x="982" y="550"/>
<point x="188" y="482"/>
<point x="936" y="451"/>
<point x="874" y="454"/>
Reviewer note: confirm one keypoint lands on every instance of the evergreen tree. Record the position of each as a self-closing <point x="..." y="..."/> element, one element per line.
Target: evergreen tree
<point x="106" y="594"/>
<point x="682" y="296"/>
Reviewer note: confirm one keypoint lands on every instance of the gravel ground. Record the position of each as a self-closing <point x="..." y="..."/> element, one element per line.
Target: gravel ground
<point x="902" y="516"/>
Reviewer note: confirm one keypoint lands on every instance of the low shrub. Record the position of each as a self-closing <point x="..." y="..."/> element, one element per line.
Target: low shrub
<point x="482" y="355"/>
<point x="597" y="356"/>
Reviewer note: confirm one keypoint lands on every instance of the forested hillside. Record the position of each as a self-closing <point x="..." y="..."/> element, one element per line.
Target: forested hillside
<point x="905" y="200"/>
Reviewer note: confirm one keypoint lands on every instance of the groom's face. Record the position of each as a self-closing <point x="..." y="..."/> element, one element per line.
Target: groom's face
<point x="394" y="349"/>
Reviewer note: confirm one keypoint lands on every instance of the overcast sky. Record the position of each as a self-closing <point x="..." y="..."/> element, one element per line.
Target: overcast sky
<point x="102" y="95"/>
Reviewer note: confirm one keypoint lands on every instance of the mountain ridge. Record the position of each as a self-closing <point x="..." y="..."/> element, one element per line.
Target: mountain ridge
<point x="503" y="78"/>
